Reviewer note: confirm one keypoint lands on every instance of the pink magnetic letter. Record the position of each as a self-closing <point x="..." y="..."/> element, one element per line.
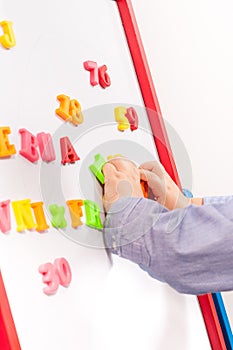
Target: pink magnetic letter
<point x="46" y="147"/>
<point x="5" y="223"/>
<point x="28" y="146"/>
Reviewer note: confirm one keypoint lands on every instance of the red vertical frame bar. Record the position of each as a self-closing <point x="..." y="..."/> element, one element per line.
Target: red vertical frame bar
<point x="163" y="146"/>
<point x="8" y="335"/>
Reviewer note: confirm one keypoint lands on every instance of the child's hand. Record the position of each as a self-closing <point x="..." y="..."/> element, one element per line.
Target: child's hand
<point x="121" y="179"/>
<point x="164" y="189"/>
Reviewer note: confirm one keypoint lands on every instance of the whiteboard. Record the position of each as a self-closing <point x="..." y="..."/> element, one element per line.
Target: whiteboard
<point x="107" y="305"/>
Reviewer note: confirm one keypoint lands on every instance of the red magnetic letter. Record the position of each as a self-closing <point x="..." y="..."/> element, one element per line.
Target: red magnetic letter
<point x="67" y="151"/>
<point x="104" y="78"/>
<point x="132" y="117"/>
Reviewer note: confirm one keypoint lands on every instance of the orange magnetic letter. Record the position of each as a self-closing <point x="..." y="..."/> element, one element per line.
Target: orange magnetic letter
<point x="75" y="211"/>
<point x="6" y="150"/>
<point x="39" y="216"/>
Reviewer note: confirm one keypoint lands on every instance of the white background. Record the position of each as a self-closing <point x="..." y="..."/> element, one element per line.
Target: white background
<point x="189" y="48"/>
<point x="105" y="306"/>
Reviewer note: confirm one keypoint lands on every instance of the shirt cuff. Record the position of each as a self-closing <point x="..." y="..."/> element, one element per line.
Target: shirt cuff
<point x="217" y="199"/>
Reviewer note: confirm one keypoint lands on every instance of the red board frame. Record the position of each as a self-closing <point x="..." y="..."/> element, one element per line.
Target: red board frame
<point x="163" y="145"/>
<point x="8" y="335"/>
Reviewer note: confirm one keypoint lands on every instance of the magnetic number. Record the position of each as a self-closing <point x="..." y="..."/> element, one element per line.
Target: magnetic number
<point x="123" y="123"/>
<point x="55" y="274"/>
<point x="69" y="110"/>
<point x="97" y="75"/>
<point x="132" y="117"/>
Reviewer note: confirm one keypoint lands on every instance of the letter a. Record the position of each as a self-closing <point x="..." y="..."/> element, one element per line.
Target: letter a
<point x="67" y="151"/>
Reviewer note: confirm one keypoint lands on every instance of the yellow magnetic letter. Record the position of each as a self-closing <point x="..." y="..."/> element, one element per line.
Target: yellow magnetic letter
<point x="8" y="38"/>
<point x="123" y="123"/>
<point x="23" y="215"/>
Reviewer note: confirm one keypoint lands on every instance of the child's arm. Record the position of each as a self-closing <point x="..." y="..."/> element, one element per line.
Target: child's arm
<point x="191" y="248"/>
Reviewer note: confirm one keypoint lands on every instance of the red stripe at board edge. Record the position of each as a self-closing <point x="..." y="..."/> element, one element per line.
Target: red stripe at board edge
<point x="161" y="140"/>
<point x="8" y="335"/>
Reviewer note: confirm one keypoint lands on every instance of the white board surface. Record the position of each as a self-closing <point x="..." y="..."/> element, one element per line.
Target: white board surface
<point x="106" y="306"/>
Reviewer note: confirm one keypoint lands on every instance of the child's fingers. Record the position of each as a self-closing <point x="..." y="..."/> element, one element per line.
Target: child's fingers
<point x="151" y="178"/>
<point x="146" y="175"/>
<point x="109" y="170"/>
<point x="123" y="164"/>
<point x="154" y="167"/>
<point x="143" y="176"/>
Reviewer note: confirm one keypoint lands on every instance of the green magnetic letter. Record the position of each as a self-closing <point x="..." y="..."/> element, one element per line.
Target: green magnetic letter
<point x="57" y="213"/>
<point x="97" y="166"/>
<point x="92" y="214"/>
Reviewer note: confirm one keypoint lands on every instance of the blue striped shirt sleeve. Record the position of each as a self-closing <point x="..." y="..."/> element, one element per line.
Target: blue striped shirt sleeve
<point x="191" y="249"/>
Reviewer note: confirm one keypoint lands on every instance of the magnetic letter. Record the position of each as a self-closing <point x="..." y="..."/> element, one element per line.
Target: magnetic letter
<point x="68" y="153"/>
<point x="144" y="186"/>
<point x="97" y="166"/>
<point x="58" y="219"/>
<point x="6" y="150"/>
<point x="28" y="146"/>
<point x="114" y="156"/>
<point x="76" y="212"/>
<point x="46" y="147"/>
<point x="7" y="39"/>
<point x="23" y="215"/>
<point x="39" y="216"/>
<point x="5" y="223"/>
<point x="92" y="214"/>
